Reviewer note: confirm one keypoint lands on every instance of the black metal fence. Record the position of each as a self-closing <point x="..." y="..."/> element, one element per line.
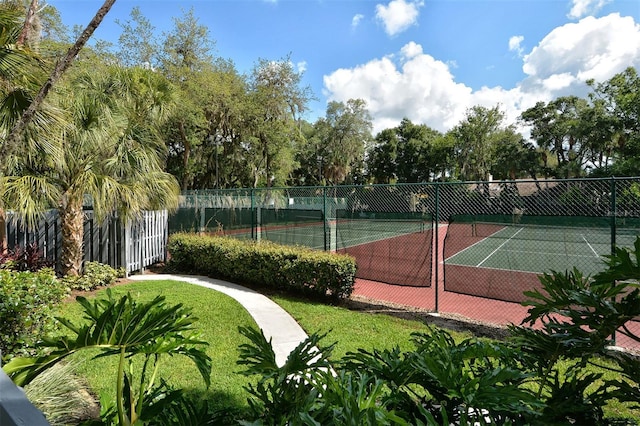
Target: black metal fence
<point x="521" y="227"/>
<point x="488" y="240"/>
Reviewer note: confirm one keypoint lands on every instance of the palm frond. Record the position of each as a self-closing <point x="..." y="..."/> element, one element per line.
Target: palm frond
<point x="117" y="325"/>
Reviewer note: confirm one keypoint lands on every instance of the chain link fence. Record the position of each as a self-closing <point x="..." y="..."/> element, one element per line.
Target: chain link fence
<point x="483" y="240"/>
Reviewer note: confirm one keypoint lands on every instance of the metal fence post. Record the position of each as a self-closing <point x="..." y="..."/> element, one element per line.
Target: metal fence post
<point x="326" y="217"/>
<point x="436" y="234"/>
<point x="613" y="213"/>
<point x="253" y="215"/>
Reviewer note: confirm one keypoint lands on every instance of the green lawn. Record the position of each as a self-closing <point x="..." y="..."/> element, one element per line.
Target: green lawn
<point x="352" y="329"/>
<point x="219" y="319"/>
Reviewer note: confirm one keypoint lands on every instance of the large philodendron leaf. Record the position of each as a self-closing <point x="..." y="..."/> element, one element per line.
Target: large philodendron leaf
<point x="114" y="326"/>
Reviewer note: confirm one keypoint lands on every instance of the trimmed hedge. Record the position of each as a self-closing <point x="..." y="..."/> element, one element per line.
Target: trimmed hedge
<point x="293" y="269"/>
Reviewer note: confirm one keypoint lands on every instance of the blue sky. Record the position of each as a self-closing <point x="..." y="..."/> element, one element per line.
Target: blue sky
<point x="425" y="60"/>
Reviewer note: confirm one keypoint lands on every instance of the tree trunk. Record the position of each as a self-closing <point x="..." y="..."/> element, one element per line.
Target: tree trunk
<point x="13" y="139"/>
<point x="185" y="157"/>
<point x="25" y="34"/>
<point x="3" y="231"/>
<point x="72" y="226"/>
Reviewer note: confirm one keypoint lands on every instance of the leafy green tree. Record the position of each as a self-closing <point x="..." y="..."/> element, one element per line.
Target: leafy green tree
<point x="442" y="156"/>
<point x="187" y="48"/>
<point x="344" y="134"/>
<point x="223" y="153"/>
<point x="308" y="158"/>
<point x="137" y="42"/>
<point x="51" y="26"/>
<point x="186" y="60"/>
<point x="406" y="153"/>
<point x="383" y="157"/>
<point x="559" y="126"/>
<point x="614" y="124"/>
<point x="415" y="159"/>
<point x="476" y="137"/>
<point x="514" y="157"/>
<point x="276" y="103"/>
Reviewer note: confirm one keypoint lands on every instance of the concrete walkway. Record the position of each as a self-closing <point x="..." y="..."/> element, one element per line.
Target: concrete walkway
<point x="275" y="322"/>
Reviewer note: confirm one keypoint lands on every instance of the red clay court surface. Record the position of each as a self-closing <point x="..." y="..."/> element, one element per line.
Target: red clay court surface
<point x="474" y="308"/>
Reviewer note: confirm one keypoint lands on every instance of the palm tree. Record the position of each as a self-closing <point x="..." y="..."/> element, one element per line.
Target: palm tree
<point x="11" y="141"/>
<point x="111" y="155"/>
<point x="22" y="72"/>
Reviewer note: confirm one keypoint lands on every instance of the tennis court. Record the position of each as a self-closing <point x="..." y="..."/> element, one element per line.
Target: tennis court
<point x="494" y="238"/>
<point x="501" y="261"/>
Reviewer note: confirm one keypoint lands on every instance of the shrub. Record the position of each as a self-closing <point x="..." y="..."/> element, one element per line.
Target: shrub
<point x="29" y="258"/>
<point x="290" y="268"/>
<point x="26" y="301"/>
<point x="62" y="396"/>
<point x="440" y="382"/>
<point x="576" y="317"/>
<point x="95" y="275"/>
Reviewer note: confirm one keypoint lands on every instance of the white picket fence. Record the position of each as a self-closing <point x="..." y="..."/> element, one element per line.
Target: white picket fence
<point x="134" y="245"/>
<point x="146" y="240"/>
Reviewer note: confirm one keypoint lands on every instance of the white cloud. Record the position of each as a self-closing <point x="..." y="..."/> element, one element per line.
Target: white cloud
<point x="355" y="21"/>
<point x="398" y="15"/>
<point x="413" y="84"/>
<point x="301" y="67"/>
<point x="582" y="8"/>
<point x="591" y="48"/>
<point x="515" y="44"/>
<point x="411" y="50"/>
<point x="416" y="86"/>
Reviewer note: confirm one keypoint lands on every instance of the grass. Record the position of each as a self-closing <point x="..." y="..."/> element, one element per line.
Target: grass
<point x="352" y="330"/>
<point x="219" y="319"/>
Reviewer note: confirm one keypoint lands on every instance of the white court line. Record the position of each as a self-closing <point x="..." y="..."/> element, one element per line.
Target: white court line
<point x="475" y="244"/>
<point x="590" y="246"/>
<point x="550" y="253"/>
<point x="498" y="248"/>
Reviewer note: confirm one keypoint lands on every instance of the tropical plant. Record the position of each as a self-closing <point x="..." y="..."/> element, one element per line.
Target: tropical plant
<point x="287" y="392"/>
<point x="32" y="106"/>
<point x="22" y="72"/>
<point x="470" y="381"/>
<point x="30" y="258"/>
<point x="95" y="275"/>
<point x="128" y="330"/>
<point x="577" y="319"/>
<point x="440" y="381"/>
<point x="111" y="158"/>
